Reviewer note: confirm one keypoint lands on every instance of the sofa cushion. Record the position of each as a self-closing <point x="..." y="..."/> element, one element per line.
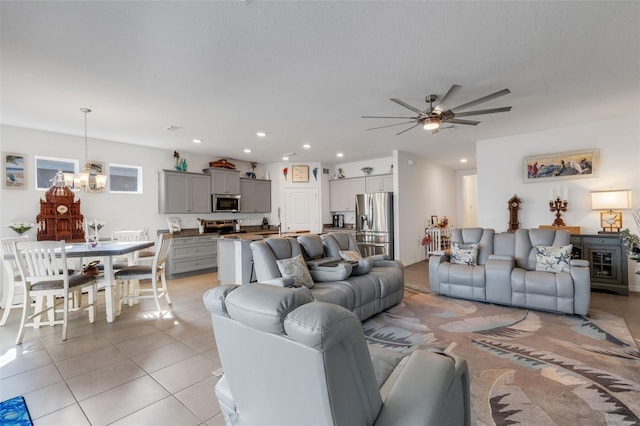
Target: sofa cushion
<point x="350" y="255"/>
<point x="553" y="258"/>
<point x="296" y="268"/>
<point x="464" y="253"/>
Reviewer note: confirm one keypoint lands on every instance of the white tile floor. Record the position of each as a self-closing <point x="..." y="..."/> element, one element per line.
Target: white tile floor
<point x="142" y="369"/>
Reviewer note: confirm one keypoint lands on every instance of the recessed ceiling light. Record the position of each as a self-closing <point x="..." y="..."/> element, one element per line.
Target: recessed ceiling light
<point x="247" y="151"/>
<point x="306" y="146"/>
<point x="197" y="141"/>
<point x="173" y="128"/>
<point x="339" y="154"/>
<point x="463" y="160"/>
<point x="261" y="134"/>
<point x="285" y="158"/>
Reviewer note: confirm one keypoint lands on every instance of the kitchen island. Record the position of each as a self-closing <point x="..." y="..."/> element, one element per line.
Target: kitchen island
<point x="235" y="260"/>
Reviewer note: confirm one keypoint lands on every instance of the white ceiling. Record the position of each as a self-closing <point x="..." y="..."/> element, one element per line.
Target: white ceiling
<point x="305" y="71"/>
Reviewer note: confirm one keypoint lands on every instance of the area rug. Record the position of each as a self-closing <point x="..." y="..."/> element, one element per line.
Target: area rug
<point x="526" y="367"/>
<point x="14" y="412"/>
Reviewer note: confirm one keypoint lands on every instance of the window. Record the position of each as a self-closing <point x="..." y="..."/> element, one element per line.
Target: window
<point x="125" y="179"/>
<point x="47" y="167"/>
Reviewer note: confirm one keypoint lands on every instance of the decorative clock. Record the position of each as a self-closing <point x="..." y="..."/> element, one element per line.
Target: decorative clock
<point x="514" y="207"/>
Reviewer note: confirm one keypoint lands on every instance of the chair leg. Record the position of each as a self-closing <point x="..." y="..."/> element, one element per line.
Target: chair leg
<point x="163" y="279"/>
<point x="156" y="298"/>
<point x="51" y="301"/>
<point x="65" y="315"/>
<point x="23" y="321"/>
<point x="39" y="307"/>
<point x="9" y="304"/>
<point x="91" y="299"/>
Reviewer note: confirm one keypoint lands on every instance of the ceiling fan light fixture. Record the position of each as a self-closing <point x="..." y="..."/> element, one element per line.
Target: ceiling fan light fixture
<point x="430" y="123"/>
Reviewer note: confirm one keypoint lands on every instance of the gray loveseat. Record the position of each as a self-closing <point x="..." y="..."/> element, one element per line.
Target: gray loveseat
<point x="289" y="360"/>
<point x="506" y="273"/>
<point x="355" y="286"/>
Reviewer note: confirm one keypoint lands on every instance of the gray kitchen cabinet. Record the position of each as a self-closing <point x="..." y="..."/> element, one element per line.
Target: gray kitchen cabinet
<point x="255" y="196"/>
<point x="189" y="254"/>
<point x="224" y="181"/>
<point x="342" y="197"/>
<point x="379" y="183"/>
<point x="183" y="192"/>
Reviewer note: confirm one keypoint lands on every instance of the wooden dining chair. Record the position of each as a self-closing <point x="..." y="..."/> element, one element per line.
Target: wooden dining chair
<point x="155" y="273"/>
<point x="16" y="283"/>
<point x="40" y="264"/>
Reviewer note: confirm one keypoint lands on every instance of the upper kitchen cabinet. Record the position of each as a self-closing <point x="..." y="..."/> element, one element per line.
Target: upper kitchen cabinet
<point x="255" y="196"/>
<point x="183" y="192"/>
<point x="224" y="181"/>
<point x="379" y="183"/>
<point x="343" y="193"/>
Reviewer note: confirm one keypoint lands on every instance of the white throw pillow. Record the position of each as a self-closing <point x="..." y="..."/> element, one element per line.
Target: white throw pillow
<point x="350" y="255"/>
<point x="464" y="253"/>
<point x="296" y="268"/>
<point x="553" y="258"/>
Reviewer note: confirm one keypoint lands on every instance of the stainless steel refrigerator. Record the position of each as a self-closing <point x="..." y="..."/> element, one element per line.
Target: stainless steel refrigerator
<point x="374" y="223"/>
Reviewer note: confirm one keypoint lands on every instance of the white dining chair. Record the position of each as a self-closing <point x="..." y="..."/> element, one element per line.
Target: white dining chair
<point x="155" y="273"/>
<point x="130" y="260"/>
<point x="16" y="283"/>
<point x="40" y="264"/>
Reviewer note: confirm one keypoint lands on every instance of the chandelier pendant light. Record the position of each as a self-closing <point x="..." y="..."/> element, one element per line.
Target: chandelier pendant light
<point x="84" y="180"/>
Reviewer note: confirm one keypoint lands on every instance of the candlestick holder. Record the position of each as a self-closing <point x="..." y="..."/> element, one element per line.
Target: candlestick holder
<point x="558" y="205"/>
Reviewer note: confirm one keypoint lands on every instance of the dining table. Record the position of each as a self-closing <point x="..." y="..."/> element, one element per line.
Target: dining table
<point x="107" y="251"/>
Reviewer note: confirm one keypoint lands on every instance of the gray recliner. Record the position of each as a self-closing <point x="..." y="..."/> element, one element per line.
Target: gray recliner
<point x="288" y="360"/>
<point x="389" y="272"/>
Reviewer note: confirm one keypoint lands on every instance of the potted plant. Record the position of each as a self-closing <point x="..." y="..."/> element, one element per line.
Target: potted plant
<point x="632" y="245"/>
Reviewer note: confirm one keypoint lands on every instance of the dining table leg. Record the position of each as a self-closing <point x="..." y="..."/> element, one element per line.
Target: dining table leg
<point x="109" y="281"/>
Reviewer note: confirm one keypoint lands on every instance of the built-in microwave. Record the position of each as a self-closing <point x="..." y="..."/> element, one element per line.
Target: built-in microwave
<point x="225" y="203"/>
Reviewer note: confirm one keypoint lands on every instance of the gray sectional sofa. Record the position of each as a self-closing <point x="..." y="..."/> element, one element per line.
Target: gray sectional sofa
<point x="365" y="287"/>
<point x="509" y="270"/>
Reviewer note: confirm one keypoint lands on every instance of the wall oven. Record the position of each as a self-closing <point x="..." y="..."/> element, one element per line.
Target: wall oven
<point x="225" y="203"/>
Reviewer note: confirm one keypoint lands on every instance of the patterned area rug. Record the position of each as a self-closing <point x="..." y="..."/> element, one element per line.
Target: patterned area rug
<point x="527" y="367"/>
<point x="14" y="412"/>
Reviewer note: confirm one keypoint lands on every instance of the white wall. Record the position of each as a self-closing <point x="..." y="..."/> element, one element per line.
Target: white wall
<point x="500" y="174"/>
<point x="422" y="189"/>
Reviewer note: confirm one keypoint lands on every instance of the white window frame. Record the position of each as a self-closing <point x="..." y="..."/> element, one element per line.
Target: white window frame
<point x="38" y="158"/>
<point x="128" y="166"/>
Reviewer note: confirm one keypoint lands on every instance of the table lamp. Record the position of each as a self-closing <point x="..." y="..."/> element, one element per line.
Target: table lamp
<point x="610" y="202"/>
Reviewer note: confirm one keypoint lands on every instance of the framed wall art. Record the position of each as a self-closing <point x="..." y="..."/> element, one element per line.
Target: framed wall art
<point x="300" y="174"/>
<point x="561" y="165"/>
<point x="14" y="169"/>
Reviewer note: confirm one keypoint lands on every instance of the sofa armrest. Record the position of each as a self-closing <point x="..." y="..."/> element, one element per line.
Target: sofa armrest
<point x="387" y="263"/>
<point x="431" y="389"/>
<point x="434" y="266"/>
<point x="581" y="286"/>
<point x="498" y="279"/>
<point x="378" y="257"/>
<point x="279" y="282"/>
<point x="579" y="263"/>
<point x="331" y="273"/>
<point x="501" y="257"/>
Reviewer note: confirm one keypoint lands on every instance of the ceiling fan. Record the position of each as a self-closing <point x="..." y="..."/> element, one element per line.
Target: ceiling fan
<point x="435" y="115"/>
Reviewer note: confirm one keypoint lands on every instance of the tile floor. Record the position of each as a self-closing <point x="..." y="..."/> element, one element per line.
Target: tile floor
<point x="142" y="369"/>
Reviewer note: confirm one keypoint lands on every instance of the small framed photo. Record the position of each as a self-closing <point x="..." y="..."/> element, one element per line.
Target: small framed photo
<point x="14" y="167"/>
<point x="434" y="220"/>
<point x="300" y="174"/>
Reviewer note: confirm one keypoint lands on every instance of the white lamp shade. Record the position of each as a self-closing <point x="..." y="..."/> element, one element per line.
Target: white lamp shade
<point x="611" y="200"/>
<point x="68" y="179"/>
<point x="101" y="181"/>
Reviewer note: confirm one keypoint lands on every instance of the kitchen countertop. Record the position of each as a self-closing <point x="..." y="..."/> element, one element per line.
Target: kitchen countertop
<point x="260" y="235"/>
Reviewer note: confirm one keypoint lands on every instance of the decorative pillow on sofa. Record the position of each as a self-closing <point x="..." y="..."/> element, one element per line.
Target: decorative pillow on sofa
<point x="296" y="268"/>
<point x="350" y="255"/>
<point x="464" y="253"/>
<point x="553" y="258"/>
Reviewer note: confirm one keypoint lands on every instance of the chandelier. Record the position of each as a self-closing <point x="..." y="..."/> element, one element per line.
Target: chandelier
<point x="86" y="181"/>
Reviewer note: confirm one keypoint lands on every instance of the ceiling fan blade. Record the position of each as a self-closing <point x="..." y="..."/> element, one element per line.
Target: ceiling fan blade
<point x="483" y="111"/>
<point x="456" y="121"/>
<point x="482" y="99"/>
<point x="399" y="118"/>
<point x="406" y="105"/>
<point x="390" y="125"/>
<point x="440" y="106"/>
<point x="406" y="130"/>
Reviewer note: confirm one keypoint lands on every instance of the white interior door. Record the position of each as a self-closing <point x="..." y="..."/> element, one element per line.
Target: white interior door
<point x="301" y="210"/>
